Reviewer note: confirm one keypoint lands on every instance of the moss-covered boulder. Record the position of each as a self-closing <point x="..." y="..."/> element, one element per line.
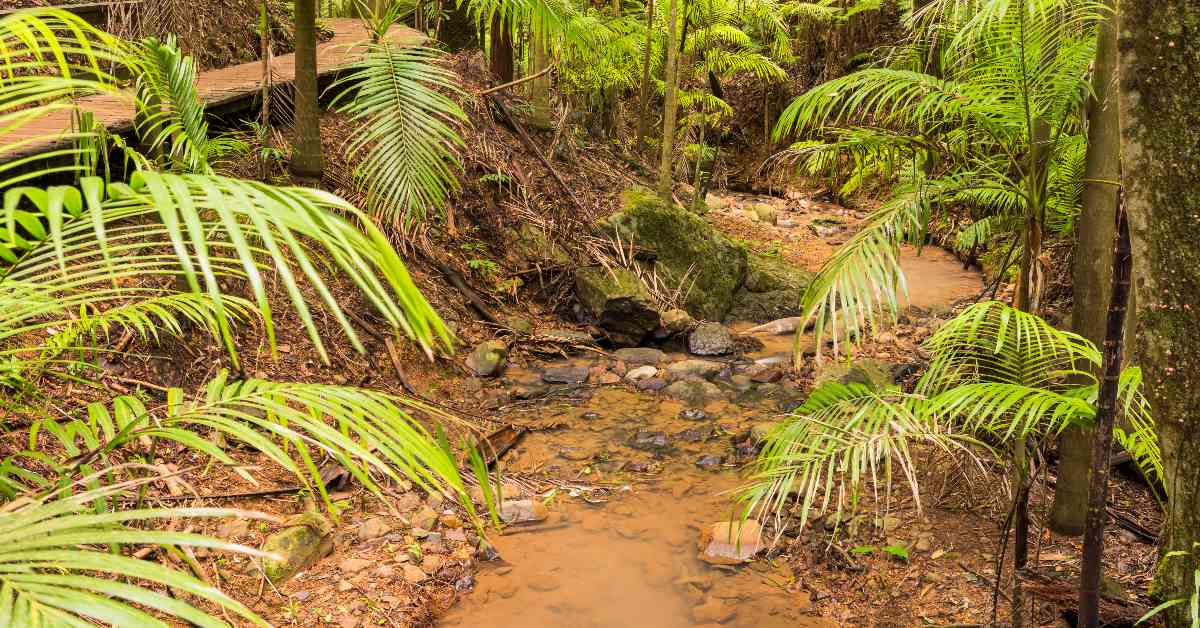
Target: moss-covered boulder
<point x="307" y="539"/>
<point x="772" y="290"/>
<point x="767" y="273"/>
<point x="619" y="303"/>
<point x="687" y="251"/>
<point x="873" y="373"/>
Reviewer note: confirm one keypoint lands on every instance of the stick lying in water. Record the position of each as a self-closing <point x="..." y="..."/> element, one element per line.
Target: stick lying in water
<point x="778" y="327"/>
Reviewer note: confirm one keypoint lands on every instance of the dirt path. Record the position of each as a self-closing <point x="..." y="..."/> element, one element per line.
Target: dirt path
<point x="635" y="559"/>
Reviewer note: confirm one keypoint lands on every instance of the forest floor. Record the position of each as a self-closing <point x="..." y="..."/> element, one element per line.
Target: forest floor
<point x="619" y="481"/>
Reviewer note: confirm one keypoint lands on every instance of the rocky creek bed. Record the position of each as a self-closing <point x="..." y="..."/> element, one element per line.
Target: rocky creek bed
<point x="667" y="433"/>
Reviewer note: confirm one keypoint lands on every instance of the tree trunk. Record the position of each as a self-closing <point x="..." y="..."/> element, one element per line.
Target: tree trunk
<point x="1106" y="410"/>
<point x="1160" y="130"/>
<point x="671" y="105"/>
<point x="539" y="88"/>
<point x="307" y="158"/>
<point x="501" y="49"/>
<point x="1093" y="269"/>
<point x="644" y="97"/>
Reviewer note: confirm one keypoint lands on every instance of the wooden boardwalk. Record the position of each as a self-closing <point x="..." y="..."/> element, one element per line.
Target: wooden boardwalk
<point x="217" y="88"/>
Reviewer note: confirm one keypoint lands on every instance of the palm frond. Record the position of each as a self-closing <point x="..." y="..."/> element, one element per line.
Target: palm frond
<point x="994" y="342"/>
<point x="404" y="131"/>
<point x="844" y="437"/>
<point x="294" y="425"/>
<point x="170" y="117"/>
<point x="58" y="557"/>
<point x="205" y="230"/>
<point x="862" y="281"/>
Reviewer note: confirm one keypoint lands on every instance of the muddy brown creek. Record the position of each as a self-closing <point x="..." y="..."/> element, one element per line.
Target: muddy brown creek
<point x="633" y="558"/>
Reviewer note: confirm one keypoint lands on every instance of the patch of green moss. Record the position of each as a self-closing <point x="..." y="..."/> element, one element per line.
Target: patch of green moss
<point x="596" y="286"/>
<point x="766" y="273"/>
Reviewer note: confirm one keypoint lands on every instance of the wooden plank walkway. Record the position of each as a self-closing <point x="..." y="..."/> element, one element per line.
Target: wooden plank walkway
<point x="216" y="88"/>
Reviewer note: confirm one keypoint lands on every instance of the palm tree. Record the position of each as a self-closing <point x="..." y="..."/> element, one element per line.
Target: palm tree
<point x="308" y="158"/>
<point x="999" y="134"/>
<point x="997" y="376"/>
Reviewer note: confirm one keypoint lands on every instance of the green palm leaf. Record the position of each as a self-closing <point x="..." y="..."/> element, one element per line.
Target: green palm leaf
<point x="59" y="557"/>
<point x="47" y="58"/>
<point x="844" y="437"/>
<point x="205" y="230"/>
<point x="170" y="117"/>
<point x="404" y="132"/>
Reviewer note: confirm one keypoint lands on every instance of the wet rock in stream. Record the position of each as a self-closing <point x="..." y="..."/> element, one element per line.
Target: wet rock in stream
<point x="710" y="461"/>
<point x="694" y="369"/>
<point x="647" y="440"/>
<point x="566" y="375"/>
<point x="651" y="384"/>
<point x="694" y="393"/>
<point x="523" y="511"/>
<point x="711" y="339"/>
<point x="640" y="373"/>
<point x="695" y="434"/>
<point x="731" y="543"/>
<point x="640" y="355"/>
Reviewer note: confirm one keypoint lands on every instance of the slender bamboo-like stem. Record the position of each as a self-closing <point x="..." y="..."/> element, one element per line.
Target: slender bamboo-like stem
<point x="671" y="105"/>
<point x="644" y="96"/>
<point x="1097" y="514"/>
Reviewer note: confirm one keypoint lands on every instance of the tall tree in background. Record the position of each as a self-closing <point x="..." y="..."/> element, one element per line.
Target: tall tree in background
<point x="307" y="159"/>
<point x="1160" y="130"/>
<point x="670" y="104"/>
<point x="539" y="88"/>
<point x="501" y="48"/>
<point x="644" y="95"/>
<point x="1092" y="280"/>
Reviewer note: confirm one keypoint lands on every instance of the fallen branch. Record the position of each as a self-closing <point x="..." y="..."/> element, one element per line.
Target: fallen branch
<point x="526" y="79"/>
<point x="525" y="139"/>
<point x="459" y="284"/>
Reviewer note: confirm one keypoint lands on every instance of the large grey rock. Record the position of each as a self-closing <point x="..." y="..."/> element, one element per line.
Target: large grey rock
<point x="711" y="339"/>
<point x="618" y="302"/>
<point x="694" y="369"/>
<point x="694" y="392"/>
<point x="773" y="289"/>
<point x="488" y="359"/>
<point x="640" y="355"/>
<point x="297" y="547"/>
<point x="686" y="249"/>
